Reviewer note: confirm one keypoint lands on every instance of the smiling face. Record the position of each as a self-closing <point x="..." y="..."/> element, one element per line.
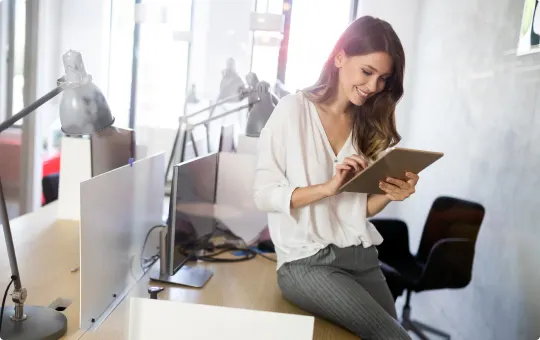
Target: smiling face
<point x="363" y="76"/>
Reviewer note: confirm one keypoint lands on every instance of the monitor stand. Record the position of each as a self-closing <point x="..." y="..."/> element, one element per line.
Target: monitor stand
<point x="195" y="277"/>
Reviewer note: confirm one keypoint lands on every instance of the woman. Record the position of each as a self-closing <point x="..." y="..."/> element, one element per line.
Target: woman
<point x="314" y="142"/>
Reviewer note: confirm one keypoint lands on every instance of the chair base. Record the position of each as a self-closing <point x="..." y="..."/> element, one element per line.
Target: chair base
<point x="419" y="328"/>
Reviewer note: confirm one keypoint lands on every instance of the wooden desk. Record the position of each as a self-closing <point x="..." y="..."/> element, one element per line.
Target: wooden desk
<point x="47" y="251"/>
<point x="251" y="285"/>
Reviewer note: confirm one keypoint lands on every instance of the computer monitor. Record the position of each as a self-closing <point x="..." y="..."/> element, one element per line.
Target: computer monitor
<point x="110" y="149"/>
<point x="191" y="218"/>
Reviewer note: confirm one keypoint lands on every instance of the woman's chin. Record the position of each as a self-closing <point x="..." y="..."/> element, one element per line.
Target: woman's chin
<point x="357" y="100"/>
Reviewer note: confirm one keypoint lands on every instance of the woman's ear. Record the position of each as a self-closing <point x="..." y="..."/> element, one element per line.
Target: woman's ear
<point x="339" y="59"/>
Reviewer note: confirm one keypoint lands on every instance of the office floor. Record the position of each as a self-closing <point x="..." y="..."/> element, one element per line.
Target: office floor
<point x="424" y="310"/>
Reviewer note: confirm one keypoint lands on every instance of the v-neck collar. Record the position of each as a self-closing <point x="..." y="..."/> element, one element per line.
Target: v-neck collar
<point x="318" y="121"/>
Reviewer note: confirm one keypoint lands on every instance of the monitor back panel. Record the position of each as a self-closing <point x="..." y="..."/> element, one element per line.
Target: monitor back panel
<point x="191" y="216"/>
<point x="110" y="149"/>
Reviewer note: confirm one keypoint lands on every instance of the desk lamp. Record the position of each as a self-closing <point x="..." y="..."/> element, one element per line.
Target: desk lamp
<point x="83" y="110"/>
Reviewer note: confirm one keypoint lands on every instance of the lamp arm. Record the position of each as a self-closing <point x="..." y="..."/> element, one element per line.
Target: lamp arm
<point x="19" y="293"/>
<point x="181" y="134"/>
<point x="30" y="108"/>
<point x="222" y="115"/>
<point x="9" y="239"/>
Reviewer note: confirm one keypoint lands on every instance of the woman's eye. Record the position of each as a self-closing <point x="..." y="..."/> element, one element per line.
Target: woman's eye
<point x="367" y="73"/>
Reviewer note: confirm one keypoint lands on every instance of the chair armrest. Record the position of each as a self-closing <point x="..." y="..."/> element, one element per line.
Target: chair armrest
<point x="449" y="265"/>
<point x="395" y="246"/>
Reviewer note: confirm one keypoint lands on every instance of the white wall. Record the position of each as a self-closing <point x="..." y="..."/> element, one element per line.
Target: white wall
<point x="404" y="17"/>
<point x="480" y="105"/>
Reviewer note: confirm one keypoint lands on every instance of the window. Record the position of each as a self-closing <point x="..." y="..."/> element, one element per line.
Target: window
<point x="266" y="45"/>
<point x="162" y="62"/>
<point x="315" y="27"/>
<point x="18" y="65"/>
<point x="13" y="37"/>
<point x="269" y="6"/>
<point x="120" y="60"/>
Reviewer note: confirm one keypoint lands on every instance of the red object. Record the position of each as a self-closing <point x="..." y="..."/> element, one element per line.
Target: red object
<point x="51" y="165"/>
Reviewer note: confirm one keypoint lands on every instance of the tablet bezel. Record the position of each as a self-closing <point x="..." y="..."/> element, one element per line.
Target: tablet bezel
<point x="394" y="164"/>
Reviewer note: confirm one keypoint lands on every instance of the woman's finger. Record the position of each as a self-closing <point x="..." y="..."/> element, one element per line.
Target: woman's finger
<point x="343" y="167"/>
<point x="398" y="183"/>
<point x="353" y="163"/>
<point x="361" y="160"/>
<point x="388" y="188"/>
<point x="412" y="177"/>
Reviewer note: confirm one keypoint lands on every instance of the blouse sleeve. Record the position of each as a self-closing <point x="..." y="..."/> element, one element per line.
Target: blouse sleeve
<point x="272" y="190"/>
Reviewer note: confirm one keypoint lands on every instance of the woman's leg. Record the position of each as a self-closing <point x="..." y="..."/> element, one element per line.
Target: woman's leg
<point x="334" y="294"/>
<point x="375" y="284"/>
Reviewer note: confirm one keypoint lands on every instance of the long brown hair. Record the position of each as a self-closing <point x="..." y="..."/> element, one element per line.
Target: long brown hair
<point x="373" y="123"/>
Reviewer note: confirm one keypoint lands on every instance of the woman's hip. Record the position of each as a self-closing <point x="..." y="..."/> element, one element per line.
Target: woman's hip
<point x="353" y="258"/>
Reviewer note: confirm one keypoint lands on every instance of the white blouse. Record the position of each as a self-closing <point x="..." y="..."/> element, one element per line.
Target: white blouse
<point x="294" y="151"/>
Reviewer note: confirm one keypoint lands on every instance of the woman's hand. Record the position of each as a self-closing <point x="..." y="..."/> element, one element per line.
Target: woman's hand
<point x="351" y="166"/>
<point x="398" y="190"/>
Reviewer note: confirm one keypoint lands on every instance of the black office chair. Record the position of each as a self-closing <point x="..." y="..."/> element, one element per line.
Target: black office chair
<point x="49" y="186"/>
<point x="444" y="259"/>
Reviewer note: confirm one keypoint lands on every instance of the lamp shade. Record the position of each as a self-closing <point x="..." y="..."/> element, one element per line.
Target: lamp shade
<point x="83" y="108"/>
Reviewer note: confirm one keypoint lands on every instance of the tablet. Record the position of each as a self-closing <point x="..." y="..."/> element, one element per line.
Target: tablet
<point x="395" y="163"/>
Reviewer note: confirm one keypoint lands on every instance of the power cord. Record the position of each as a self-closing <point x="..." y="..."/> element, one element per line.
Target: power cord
<point x="250" y="253"/>
<point x="147" y="262"/>
<point x="13" y="278"/>
<point x="213" y="257"/>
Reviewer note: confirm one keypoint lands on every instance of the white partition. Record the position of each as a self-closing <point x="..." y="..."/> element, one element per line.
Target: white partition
<point x="118" y="208"/>
<point x="169" y="320"/>
<point x="75" y="167"/>
<point x="235" y="207"/>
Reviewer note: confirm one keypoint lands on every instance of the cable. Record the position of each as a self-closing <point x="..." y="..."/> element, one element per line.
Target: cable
<point x="212" y="257"/>
<point x="148" y="262"/>
<point x="250" y="253"/>
<point x="13" y="278"/>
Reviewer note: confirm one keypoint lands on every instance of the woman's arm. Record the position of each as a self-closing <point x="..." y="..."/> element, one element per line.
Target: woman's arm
<point x="308" y="195"/>
<point x="272" y="190"/>
<point x="311" y="194"/>
<point x="395" y="189"/>
<point x="375" y="204"/>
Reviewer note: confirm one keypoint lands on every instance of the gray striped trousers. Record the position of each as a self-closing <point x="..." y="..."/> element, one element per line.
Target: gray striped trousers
<point x="345" y="286"/>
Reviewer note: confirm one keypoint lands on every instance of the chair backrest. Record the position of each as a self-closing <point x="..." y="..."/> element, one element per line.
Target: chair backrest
<point x="450" y="218"/>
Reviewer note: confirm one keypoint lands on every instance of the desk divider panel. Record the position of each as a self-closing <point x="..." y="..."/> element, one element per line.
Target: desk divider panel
<point x="118" y="209"/>
<point x="235" y="207"/>
<point x="170" y="320"/>
<point x="75" y="168"/>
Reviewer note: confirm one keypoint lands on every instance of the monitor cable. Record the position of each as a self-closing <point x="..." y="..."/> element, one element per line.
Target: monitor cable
<point x="147" y="262"/>
<point x="249" y="252"/>
<point x="13" y="278"/>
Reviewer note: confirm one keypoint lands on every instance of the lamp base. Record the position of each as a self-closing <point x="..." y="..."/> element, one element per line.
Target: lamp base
<point x="42" y="323"/>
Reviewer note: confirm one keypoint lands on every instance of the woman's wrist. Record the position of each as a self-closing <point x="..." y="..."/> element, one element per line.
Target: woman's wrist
<point x="326" y="189"/>
<point x="376" y="203"/>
